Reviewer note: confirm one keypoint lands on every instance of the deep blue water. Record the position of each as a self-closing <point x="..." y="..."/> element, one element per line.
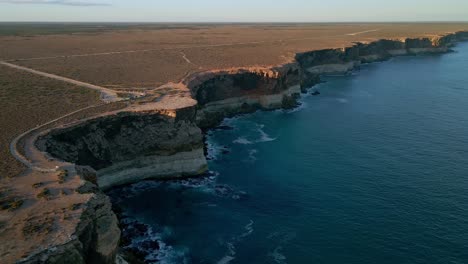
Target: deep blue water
<point x="374" y="170"/>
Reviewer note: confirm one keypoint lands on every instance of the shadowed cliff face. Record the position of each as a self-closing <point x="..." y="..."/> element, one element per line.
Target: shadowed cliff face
<point x="225" y="93"/>
<point x="381" y="48"/>
<point x="222" y="94"/>
<point x="96" y="239"/>
<point x="111" y="141"/>
<point x="105" y="141"/>
<point x="133" y="146"/>
<point x="375" y="51"/>
<point x="216" y="86"/>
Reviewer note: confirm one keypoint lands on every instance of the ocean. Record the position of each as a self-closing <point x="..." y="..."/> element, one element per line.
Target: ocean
<point x="373" y="170"/>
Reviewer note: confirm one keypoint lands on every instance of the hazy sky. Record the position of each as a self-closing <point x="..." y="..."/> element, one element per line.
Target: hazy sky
<point x="233" y="10"/>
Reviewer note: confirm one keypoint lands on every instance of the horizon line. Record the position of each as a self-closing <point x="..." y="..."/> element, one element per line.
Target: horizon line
<point x="243" y="22"/>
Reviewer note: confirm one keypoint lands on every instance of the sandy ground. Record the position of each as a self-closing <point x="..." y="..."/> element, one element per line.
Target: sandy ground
<point x="107" y="95"/>
<point x="28" y="100"/>
<point x="145" y="58"/>
<point x="137" y="59"/>
<point x="47" y="77"/>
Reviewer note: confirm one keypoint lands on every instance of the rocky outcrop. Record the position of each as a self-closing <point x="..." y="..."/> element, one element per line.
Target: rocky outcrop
<point x="332" y="61"/>
<point x="167" y="142"/>
<point x="461" y="36"/>
<point x="180" y="164"/>
<point x="134" y="145"/>
<point x="226" y="93"/>
<point x="131" y="146"/>
<point x="96" y="240"/>
<point x="95" y="237"/>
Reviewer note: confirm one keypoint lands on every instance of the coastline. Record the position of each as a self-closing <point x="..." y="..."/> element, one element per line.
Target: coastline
<point x="267" y="89"/>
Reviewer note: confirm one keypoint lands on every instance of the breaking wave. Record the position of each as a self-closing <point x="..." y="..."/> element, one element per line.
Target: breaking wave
<point x="243" y="141"/>
<point x="252" y="153"/>
<point x="144" y="242"/>
<point x="264" y="137"/>
<point x="277" y="255"/>
<point x="231" y="244"/>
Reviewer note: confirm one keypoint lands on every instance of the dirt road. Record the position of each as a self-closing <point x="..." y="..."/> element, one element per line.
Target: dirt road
<point x="107" y="95"/>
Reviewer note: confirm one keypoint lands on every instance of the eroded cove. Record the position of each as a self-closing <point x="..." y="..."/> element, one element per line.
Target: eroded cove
<point x="372" y="170"/>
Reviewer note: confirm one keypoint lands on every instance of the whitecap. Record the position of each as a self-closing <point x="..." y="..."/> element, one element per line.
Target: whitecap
<point x="231" y="248"/>
<point x="226" y="260"/>
<point x="342" y="100"/>
<point x="264" y="137"/>
<point x="243" y="141"/>
<point x="252" y="157"/>
<point x="277" y="255"/>
<point x="231" y="253"/>
<point x="248" y="230"/>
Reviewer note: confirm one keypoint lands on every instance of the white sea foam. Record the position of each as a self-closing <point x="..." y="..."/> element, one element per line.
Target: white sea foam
<point x="152" y="244"/>
<point x="248" y="229"/>
<point x="303" y="105"/>
<point x="302" y="101"/>
<point x="277" y="255"/>
<point x="226" y="260"/>
<point x="252" y="153"/>
<point x="264" y="137"/>
<point x="231" y="248"/>
<point x="213" y="149"/>
<point x="243" y="141"/>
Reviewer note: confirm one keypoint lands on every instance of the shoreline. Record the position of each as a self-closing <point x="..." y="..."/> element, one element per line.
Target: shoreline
<point x="138" y="253"/>
<point x="267" y="89"/>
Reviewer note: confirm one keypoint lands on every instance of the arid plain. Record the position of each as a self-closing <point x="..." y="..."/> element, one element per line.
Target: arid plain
<point x="55" y="73"/>
<point x="145" y="57"/>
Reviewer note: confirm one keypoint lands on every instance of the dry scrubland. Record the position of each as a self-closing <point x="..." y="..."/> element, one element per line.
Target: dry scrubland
<point x="147" y="56"/>
<point x="27" y="101"/>
<point x="154" y="56"/>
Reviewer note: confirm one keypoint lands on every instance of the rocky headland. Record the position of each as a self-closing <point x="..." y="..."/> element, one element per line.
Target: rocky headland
<point x="154" y="138"/>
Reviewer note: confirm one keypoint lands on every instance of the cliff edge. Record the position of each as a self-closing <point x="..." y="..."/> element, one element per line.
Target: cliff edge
<point x="57" y="213"/>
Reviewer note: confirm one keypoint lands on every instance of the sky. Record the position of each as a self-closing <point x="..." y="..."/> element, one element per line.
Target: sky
<point x="233" y="10"/>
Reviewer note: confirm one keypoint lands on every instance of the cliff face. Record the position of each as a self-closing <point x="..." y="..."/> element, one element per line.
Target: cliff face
<point x="134" y="145"/>
<point x="461" y="36"/>
<point x="131" y="146"/>
<point x="96" y="239"/>
<point x="222" y="94"/>
<point x="72" y="222"/>
<point x="167" y="142"/>
<point x="225" y="93"/>
<point x="332" y="61"/>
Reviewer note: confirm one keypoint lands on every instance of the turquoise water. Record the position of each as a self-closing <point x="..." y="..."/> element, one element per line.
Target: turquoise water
<point x="374" y="170"/>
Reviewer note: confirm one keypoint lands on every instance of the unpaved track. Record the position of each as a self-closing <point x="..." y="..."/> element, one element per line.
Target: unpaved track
<point x="184" y="56"/>
<point x="107" y="95"/>
<point x="14" y="143"/>
<point x="188" y="47"/>
<point x="362" y="32"/>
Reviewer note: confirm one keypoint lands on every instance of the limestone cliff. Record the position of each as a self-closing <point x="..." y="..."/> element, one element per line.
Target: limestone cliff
<point x="162" y="138"/>
<point x="225" y="93"/>
<point x="96" y="238"/>
<point x="71" y="222"/>
<point x="167" y="141"/>
<point x="131" y="146"/>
